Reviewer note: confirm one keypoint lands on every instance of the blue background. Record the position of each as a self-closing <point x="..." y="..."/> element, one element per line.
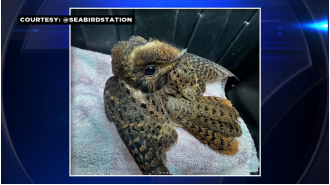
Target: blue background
<point x="294" y="93"/>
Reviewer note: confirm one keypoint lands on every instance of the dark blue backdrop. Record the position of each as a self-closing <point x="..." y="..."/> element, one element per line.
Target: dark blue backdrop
<point x="294" y="80"/>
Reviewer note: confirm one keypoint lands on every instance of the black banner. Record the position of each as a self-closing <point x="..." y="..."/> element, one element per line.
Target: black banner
<point x="97" y="19"/>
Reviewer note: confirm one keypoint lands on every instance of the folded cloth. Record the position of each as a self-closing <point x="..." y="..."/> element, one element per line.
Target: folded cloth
<point x="97" y="149"/>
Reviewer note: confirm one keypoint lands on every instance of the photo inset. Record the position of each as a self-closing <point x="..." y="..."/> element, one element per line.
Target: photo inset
<point x="176" y="93"/>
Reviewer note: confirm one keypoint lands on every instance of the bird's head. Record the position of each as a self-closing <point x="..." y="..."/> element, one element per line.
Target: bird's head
<point x="144" y="64"/>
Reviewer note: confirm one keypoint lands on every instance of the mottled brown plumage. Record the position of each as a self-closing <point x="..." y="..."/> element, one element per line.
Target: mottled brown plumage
<point x="156" y="87"/>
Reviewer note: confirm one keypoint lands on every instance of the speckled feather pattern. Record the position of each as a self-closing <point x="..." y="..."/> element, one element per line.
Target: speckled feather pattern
<point x="97" y="148"/>
<point x="158" y="86"/>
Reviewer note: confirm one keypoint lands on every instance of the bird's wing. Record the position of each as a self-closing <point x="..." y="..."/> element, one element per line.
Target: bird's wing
<point x="135" y="130"/>
<point x="214" y="113"/>
<point x="209" y="121"/>
<point x="205" y="69"/>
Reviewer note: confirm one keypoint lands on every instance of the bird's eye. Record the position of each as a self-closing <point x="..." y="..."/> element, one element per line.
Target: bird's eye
<point x="150" y="70"/>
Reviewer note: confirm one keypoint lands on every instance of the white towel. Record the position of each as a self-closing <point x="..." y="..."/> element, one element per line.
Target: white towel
<point x="97" y="149"/>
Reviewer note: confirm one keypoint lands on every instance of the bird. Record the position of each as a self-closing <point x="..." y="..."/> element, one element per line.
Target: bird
<point x="157" y="87"/>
